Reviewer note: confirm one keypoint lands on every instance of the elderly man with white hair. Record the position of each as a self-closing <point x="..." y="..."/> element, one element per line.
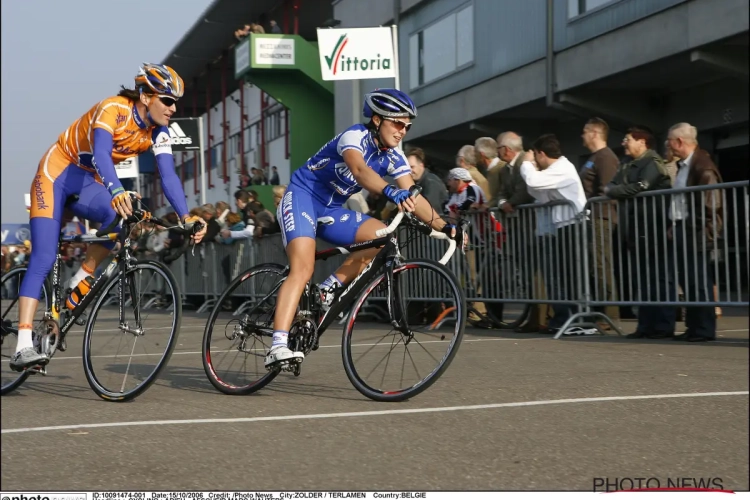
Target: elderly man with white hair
<point x="486" y="152"/>
<point x="694" y="232"/>
<point x="467" y="159"/>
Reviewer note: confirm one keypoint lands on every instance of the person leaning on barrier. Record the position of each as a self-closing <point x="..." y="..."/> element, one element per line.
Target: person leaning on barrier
<point x="242" y="200"/>
<point x="512" y="192"/>
<point x="467" y="159"/>
<point x="642" y="227"/>
<point x="433" y="189"/>
<point x="596" y="173"/>
<point x="697" y="222"/>
<point x="556" y="179"/>
<point x="486" y="154"/>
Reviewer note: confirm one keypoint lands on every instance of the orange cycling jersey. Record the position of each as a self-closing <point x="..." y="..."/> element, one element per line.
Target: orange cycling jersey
<point x="117" y="116"/>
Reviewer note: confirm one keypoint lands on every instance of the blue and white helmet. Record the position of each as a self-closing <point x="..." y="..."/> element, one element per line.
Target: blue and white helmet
<point x="389" y="102"/>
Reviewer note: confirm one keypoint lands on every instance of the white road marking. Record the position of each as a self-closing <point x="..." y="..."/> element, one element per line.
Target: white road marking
<point x="371" y="413"/>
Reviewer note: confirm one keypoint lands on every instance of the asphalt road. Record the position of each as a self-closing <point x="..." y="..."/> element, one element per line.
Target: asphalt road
<point x="585" y="416"/>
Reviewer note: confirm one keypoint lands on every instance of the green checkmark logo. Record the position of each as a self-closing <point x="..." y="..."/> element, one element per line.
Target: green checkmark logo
<point x="336" y="53"/>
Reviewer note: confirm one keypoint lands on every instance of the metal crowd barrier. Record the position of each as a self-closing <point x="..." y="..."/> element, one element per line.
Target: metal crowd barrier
<point x="659" y="249"/>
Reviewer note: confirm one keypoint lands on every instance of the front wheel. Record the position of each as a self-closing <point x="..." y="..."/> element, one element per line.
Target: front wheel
<point x="387" y="363"/>
<point x="123" y="356"/>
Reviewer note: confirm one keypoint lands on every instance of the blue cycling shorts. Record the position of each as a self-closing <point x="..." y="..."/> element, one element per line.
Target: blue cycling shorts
<point x="300" y="214"/>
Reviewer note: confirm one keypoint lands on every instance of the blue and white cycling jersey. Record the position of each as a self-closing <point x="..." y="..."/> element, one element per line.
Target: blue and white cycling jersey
<point x="327" y="177"/>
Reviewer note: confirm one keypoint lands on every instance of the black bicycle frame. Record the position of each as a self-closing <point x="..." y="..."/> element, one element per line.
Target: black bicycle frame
<point x="384" y="258"/>
<point x="120" y="260"/>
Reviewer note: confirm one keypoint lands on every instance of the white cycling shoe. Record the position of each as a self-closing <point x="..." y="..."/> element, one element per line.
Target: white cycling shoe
<point x="282" y="354"/>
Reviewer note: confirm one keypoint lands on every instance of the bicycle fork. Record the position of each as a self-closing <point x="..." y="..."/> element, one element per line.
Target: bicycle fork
<point x="396" y="310"/>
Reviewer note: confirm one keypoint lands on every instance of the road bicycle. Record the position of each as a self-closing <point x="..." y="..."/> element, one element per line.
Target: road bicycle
<point x="388" y="279"/>
<point x="124" y="276"/>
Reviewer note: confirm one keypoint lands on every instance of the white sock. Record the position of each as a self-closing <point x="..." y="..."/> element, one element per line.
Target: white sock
<point x="279" y="338"/>
<point x="24" y="339"/>
<point x="79" y="276"/>
<point x="330" y="282"/>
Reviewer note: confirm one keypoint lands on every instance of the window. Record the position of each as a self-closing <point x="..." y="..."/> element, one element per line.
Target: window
<point x="578" y="7"/>
<point x="442" y="48"/>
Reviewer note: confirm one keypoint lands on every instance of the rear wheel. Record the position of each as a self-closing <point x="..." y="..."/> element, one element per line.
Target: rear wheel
<point x="234" y="347"/>
<point x="10" y="285"/>
<point x="381" y="362"/>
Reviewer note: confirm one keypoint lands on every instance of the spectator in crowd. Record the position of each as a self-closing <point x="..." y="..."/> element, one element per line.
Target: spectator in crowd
<point x="697" y="221"/>
<point x="642" y="225"/>
<point x="556" y="179"/>
<point x="222" y="210"/>
<point x="274" y="27"/>
<point x="278" y="194"/>
<point x="466" y="195"/>
<point x="234" y="224"/>
<point x="467" y="159"/>
<point x="433" y="189"/>
<point x="259" y="178"/>
<point x="512" y="192"/>
<point x="596" y="173"/>
<point x="487" y="159"/>
<point x="247" y="29"/>
<point x="213" y="227"/>
<point x="242" y="200"/>
<point x="377" y="204"/>
<point x="358" y="202"/>
<point x="670" y="162"/>
<point x="245" y="182"/>
<point x="274" y="176"/>
<point x="265" y="221"/>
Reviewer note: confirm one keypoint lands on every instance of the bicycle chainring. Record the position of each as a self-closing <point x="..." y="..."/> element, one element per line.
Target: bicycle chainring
<point x="49" y="337"/>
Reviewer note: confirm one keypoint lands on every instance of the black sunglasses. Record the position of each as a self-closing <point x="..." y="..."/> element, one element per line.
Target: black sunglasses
<point x="168" y="101"/>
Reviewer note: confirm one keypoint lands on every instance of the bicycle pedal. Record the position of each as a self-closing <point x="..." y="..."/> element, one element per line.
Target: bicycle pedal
<point x="81" y="320"/>
<point x="62" y="346"/>
<point x="41" y="370"/>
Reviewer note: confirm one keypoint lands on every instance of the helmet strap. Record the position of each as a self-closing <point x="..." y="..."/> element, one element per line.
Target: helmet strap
<point x="149" y="120"/>
<point x="381" y="144"/>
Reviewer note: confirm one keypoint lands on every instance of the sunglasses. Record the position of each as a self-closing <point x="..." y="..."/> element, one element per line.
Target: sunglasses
<point x="400" y="125"/>
<point x="168" y="101"/>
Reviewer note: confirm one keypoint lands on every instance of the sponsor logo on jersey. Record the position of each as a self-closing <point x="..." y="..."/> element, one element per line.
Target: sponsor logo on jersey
<point x="124" y="150"/>
<point x="310" y="219"/>
<point x="120" y="119"/>
<point x="162" y="143"/>
<point x="39" y="193"/>
<point x="178" y="135"/>
<point x="286" y="212"/>
<point x="344" y="218"/>
<point x="319" y="164"/>
<point x="343" y="172"/>
<point x="358" y="216"/>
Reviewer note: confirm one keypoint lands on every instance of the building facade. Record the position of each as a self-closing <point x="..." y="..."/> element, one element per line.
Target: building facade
<point x="479" y="67"/>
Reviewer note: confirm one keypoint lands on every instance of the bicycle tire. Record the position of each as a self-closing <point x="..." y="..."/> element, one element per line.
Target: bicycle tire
<point x="88" y="368"/>
<point x="22" y="376"/>
<point x="346" y="344"/>
<point x="208" y="366"/>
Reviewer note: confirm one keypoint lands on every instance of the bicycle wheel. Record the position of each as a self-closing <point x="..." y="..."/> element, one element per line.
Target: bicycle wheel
<point x="122" y="359"/>
<point x="234" y="358"/>
<point x="417" y="282"/>
<point x="10" y="285"/>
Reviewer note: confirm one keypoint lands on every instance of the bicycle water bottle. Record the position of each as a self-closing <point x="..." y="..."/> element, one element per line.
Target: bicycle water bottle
<point x="79" y="292"/>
